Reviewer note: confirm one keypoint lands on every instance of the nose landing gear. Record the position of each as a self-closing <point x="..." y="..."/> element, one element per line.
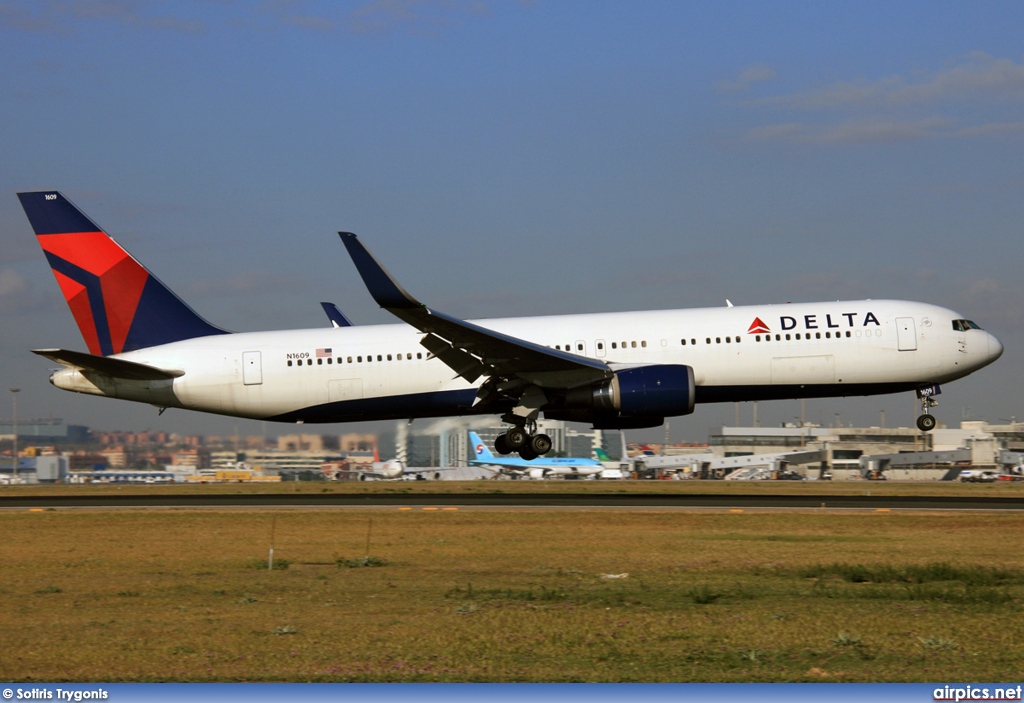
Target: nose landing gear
<point x="926" y="421"/>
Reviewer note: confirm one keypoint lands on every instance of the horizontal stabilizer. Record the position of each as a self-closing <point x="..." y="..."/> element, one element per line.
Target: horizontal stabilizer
<point x="117" y="368"/>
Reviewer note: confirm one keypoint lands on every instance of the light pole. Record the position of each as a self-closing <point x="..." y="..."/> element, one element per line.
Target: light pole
<point x="14" y="406"/>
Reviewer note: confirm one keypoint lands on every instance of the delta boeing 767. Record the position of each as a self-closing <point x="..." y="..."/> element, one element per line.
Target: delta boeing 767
<point x="613" y="370"/>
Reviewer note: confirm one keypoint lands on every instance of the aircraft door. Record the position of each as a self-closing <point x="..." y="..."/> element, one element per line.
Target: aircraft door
<point x="252" y="368"/>
<point x="906" y="334"/>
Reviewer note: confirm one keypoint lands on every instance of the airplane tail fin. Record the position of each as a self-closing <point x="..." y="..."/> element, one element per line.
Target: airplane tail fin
<point x="601" y="454"/>
<point x="479" y="448"/>
<point x="118" y="304"/>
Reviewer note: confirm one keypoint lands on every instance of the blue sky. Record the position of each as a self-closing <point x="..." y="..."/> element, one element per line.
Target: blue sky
<point x="508" y="158"/>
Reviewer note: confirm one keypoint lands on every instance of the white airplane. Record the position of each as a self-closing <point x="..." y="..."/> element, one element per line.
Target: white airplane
<point x="535" y="468"/>
<point x="613" y="370"/>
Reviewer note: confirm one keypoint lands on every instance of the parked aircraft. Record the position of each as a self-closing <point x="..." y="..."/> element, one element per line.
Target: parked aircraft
<point x="612" y="370"/>
<point x="538" y="468"/>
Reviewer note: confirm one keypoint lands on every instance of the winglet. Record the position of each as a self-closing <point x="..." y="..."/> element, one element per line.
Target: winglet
<point x="335" y="315"/>
<point x="384" y="289"/>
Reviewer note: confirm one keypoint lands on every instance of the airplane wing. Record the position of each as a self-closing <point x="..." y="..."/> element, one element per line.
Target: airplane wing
<point x="472" y="351"/>
<point x="110" y="366"/>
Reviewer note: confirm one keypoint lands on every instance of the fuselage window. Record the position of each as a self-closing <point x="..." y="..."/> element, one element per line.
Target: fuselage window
<point x="778" y="338"/>
<point x="419" y="355"/>
<point x="787" y="337"/>
<point x="738" y="339"/>
<point x="643" y="344"/>
<point x="718" y="340"/>
<point x="579" y="347"/>
<point x="389" y="357"/>
<point x="309" y="362"/>
<point x="798" y="335"/>
<point x="369" y="358"/>
<point x="634" y="345"/>
<point x="684" y="342"/>
<point x="600" y="346"/>
<point x="319" y="362"/>
<point x="380" y="358"/>
<point x="289" y="362"/>
<point x="615" y="345"/>
<point x="817" y="335"/>
<point x="847" y="333"/>
<point x="708" y="340"/>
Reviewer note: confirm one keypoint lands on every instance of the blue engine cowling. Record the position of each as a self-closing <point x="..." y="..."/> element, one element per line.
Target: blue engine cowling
<point x="665" y="390"/>
<point x="644" y="392"/>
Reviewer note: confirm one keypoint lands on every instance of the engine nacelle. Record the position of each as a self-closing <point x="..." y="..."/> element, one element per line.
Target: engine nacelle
<point x="654" y="392"/>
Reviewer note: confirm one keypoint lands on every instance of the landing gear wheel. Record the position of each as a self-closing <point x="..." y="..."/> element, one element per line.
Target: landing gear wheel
<point x="540" y="444"/>
<point x="926" y="423"/>
<point x="501" y="446"/>
<point x="527" y="454"/>
<point x="516" y="438"/>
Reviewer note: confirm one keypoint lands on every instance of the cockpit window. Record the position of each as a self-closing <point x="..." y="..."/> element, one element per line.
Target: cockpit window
<point x="964" y="325"/>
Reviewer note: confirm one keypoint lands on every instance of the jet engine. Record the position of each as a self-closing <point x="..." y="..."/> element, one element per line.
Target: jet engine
<point x="642" y="396"/>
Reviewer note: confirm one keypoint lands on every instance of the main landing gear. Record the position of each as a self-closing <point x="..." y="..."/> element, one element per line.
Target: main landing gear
<point x="926" y="421"/>
<point x="527" y="444"/>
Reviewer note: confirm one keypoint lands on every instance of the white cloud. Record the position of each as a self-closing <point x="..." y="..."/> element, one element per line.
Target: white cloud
<point x="869" y="131"/>
<point x="17" y="294"/>
<point x="64" y="16"/>
<point x="750" y="76"/>
<point x="978" y="76"/>
<point x="414" y="16"/>
<point x="964" y="99"/>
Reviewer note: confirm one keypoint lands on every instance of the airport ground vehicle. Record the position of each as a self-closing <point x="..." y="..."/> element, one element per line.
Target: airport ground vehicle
<point x="978" y="476"/>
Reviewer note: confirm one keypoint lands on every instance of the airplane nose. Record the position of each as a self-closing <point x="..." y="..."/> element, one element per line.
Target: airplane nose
<point x="995" y="348"/>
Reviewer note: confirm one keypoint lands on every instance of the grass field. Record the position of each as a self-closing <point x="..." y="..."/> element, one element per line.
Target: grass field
<point x="835" y="488"/>
<point x="180" y="595"/>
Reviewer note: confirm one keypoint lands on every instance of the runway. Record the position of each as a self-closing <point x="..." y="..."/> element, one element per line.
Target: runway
<point x="516" y="501"/>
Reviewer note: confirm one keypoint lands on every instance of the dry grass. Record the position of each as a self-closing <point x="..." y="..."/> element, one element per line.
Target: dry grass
<point x="510" y="596"/>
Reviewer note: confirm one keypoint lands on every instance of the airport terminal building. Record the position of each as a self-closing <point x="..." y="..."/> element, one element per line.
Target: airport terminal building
<point x="841" y="453"/>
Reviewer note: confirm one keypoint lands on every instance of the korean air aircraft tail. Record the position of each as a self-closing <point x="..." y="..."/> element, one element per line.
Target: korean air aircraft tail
<point x="118" y="304"/>
<point x="479" y="448"/>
